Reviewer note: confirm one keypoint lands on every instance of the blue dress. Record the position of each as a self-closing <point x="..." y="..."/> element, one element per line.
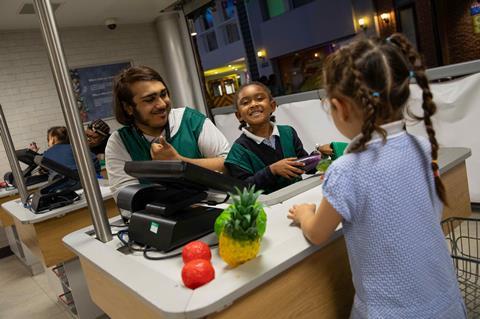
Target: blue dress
<point x="401" y="267"/>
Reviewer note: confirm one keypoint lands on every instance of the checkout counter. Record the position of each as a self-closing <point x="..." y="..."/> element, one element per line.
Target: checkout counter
<point x="289" y="278"/>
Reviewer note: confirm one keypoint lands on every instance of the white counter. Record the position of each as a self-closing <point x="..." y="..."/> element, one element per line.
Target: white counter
<point x="25" y="216"/>
<point x="158" y="283"/>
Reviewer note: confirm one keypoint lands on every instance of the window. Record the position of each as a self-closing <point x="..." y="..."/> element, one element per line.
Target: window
<point x="210" y="41"/>
<point x="228" y="9"/>
<point x="217" y="88"/>
<point x="207" y="19"/>
<point x="406" y="17"/>
<point x="272" y="8"/>
<point x="299" y="3"/>
<point x="231" y="33"/>
<point x="229" y="86"/>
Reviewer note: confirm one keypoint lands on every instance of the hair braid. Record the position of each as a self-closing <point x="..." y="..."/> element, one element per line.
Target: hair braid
<point x="428" y="106"/>
<point x="369" y="103"/>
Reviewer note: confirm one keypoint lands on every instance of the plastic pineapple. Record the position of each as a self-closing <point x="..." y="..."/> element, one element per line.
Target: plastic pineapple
<point x="240" y="227"/>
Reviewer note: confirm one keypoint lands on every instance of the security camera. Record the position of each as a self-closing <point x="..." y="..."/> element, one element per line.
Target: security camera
<point x="111" y="23"/>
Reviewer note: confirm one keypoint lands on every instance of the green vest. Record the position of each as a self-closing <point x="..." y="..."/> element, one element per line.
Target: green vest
<point x="250" y="162"/>
<point x="185" y="141"/>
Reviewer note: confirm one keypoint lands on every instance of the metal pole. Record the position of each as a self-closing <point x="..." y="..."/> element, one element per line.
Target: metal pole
<point x="12" y="157"/>
<point x="63" y="83"/>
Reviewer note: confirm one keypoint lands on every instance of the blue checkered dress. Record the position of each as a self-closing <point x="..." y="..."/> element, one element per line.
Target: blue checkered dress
<point x="391" y="222"/>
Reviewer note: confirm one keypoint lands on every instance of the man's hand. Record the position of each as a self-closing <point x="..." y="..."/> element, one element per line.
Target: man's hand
<point x="162" y="150"/>
<point x="288" y="168"/>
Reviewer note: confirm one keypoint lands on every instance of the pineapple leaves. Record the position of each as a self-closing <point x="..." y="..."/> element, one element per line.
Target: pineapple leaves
<point x="245" y="219"/>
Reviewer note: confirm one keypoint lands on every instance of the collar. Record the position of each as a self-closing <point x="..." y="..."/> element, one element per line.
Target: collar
<point x="259" y="139"/>
<point x="392" y="129"/>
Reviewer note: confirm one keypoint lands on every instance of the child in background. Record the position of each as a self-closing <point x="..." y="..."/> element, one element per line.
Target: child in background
<point x="60" y="150"/>
<point x="386" y="189"/>
<point x="265" y="154"/>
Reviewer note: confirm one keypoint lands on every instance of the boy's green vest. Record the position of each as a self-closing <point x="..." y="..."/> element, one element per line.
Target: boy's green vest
<point x="250" y="162"/>
<point x="185" y="141"/>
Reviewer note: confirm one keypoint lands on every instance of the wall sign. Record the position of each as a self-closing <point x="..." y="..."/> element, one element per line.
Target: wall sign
<point x="92" y="86"/>
<point x="475" y="13"/>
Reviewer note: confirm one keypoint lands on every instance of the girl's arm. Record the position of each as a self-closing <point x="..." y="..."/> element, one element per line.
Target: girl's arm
<point x="263" y="179"/>
<point x="317" y="226"/>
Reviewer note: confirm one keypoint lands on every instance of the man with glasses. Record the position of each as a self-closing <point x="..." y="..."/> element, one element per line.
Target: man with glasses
<point x="154" y="130"/>
<point x="97" y="133"/>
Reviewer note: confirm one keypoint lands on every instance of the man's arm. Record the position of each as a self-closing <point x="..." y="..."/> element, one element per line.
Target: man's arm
<point x="214" y="163"/>
<point x="211" y="143"/>
<point x="116" y="155"/>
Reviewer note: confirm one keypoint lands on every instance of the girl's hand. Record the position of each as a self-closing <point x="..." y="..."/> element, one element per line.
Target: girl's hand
<point x="325" y="149"/>
<point x="298" y="213"/>
<point x="287" y="167"/>
<point x="162" y="150"/>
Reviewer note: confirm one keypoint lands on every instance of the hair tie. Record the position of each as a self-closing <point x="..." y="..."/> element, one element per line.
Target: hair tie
<point x="436" y="173"/>
<point x="376" y="94"/>
<point x="411" y="74"/>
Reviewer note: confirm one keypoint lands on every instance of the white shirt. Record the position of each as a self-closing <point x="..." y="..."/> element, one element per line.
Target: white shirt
<point x="211" y="143"/>
<point x="270" y="141"/>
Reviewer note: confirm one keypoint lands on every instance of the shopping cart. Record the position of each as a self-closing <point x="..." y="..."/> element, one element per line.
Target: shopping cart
<point x="463" y="237"/>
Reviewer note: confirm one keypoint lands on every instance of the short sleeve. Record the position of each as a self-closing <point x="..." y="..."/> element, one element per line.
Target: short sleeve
<point x="338" y="189"/>
<point x="211" y="142"/>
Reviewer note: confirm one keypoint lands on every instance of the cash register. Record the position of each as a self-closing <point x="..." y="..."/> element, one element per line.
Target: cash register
<point x="60" y="191"/>
<point x="168" y="207"/>
<point x="31" y="174"/>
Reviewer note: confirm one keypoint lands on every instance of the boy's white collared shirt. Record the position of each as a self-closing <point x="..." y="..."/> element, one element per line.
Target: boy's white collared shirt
<point x="259" y="139"/>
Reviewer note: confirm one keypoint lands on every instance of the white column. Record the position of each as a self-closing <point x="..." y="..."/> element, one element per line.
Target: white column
<point x="181" y="72"/>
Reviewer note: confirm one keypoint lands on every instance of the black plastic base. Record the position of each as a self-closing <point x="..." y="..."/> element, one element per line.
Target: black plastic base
<point x="167" y="233"/>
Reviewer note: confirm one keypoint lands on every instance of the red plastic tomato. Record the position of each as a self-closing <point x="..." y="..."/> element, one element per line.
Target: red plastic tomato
<point x="196" y="250"/>
<point x="197" y="273"/>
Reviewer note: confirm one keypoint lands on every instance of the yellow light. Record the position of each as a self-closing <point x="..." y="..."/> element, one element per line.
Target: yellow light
<point x="316" y="55"/>
<point x="362" y="23"/>
<point x="229" y="65"/>
<point x="385" y="17"/>
<point x="261" y="53"/>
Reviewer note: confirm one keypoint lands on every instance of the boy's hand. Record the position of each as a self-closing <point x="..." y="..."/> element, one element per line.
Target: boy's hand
<point x="160" y="149"/>
<point x="287" y="167"/>
<point x="297" y="213"/>
<point x="325" y="149"/>
<point x="33" y="147"/>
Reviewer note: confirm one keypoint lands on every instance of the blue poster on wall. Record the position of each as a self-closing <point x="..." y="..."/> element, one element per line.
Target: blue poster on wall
<point x="92" y="87"/>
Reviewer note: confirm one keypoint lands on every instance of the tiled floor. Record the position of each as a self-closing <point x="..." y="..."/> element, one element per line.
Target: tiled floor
<point x="23" y="296"/>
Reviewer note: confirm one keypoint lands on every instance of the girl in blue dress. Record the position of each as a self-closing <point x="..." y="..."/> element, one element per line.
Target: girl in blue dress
<point x="386" y="189"/>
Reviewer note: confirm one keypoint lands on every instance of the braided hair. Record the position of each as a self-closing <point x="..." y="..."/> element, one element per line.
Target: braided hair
<point x="240" y="89"/>
<point x="376" y="74"/>
<point x="429" y="107"/>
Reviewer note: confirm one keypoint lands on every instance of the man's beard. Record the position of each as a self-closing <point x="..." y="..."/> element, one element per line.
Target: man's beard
<point x="139" y="119"/>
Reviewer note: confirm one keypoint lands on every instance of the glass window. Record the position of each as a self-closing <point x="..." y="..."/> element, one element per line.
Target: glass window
<point x="229" y="86"/>
<point x="228" y="9"/>
<point x="407" y="24"/>
<point x="207" y="19"/>
<point x="275" y="8"/>
<point x="299" y="3"/>
<point x="231" y="33"/>
<point x="210" y="41"/>
<point x="217" y="88"/>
